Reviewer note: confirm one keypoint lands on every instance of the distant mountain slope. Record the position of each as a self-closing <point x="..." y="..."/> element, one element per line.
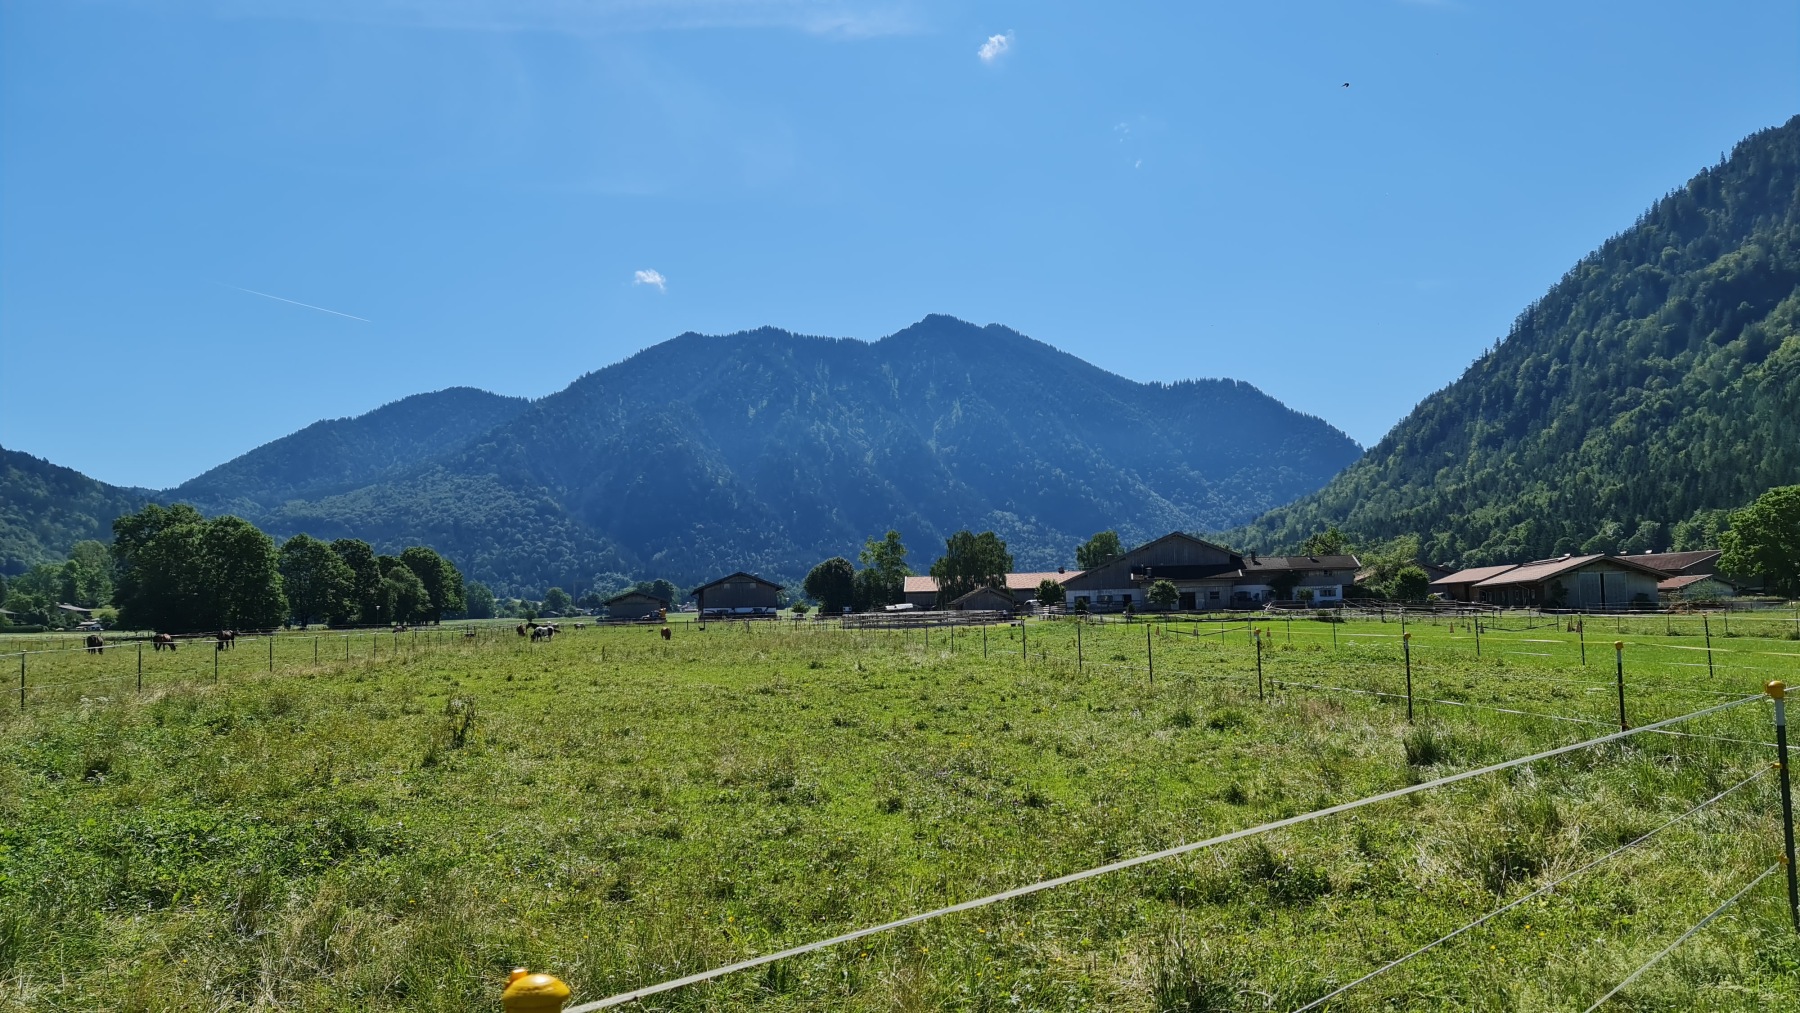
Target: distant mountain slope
<point x="769" y="451"/>
<point x="45" y="508"/>
<point x="1656" y="385"/>
<point x="340" y="455"/>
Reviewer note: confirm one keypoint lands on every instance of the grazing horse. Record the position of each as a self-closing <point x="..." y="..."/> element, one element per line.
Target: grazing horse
<point x="227" y="639"/>
<point x="162" y="640"/>
<point x="95" y="645"/>
<point x="667" y="633"/>
<point x="524" y="631"/>
<point x="543" y="632"/>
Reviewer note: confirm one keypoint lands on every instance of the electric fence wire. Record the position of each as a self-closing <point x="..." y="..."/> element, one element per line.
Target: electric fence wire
<point x="1539" y="892"/>
<point x="1137" y="860"/>
<point x="1665" y="951"/>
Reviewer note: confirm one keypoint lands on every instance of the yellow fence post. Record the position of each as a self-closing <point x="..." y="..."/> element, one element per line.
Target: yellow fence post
<point x="533" y="993"/>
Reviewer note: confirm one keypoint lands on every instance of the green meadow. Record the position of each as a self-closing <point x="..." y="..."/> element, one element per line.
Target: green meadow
<point x="391" y="822"/>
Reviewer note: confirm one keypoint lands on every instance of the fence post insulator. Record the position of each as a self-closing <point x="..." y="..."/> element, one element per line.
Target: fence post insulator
<point x="530" y="993"/>
<point x="1618" y="645"/>
<point x="1776" y="689"/>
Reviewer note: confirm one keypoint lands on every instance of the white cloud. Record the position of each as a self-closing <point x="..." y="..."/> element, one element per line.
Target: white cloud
<point x="650" y="278"/>
<point x="996" y="45"/>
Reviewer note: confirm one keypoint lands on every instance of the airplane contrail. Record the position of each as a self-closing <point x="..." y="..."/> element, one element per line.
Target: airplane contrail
<point x="308" y="305"/>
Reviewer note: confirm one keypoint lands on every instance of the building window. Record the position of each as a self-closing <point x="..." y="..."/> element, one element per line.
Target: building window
<point x="1212" y="596"/>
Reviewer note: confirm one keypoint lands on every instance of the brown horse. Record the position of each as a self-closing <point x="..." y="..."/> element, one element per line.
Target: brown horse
<point x="162" y="640"/>
<point x="524" y="631"/>
<point x="666" y="633"/>
<point x="95" y="645"/>
<point x="227" y="639"/>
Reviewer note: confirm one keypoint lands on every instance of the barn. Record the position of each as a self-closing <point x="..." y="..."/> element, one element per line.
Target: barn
<point x="1575" y="582"/>
<point x="740" y="594"/>
<point x="635" y="605"/>
<point x="985" y="599"/>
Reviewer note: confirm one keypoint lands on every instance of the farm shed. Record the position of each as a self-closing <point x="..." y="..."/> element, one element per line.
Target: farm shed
<point x="739" y="594"/>
<point x="1696" y="587"/>
<point x="634" y="605"/>
<point x="1576" y="582"/>
<point x="985" y="599"/>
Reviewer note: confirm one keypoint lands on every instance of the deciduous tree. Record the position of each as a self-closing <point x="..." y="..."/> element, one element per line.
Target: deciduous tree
<point x="970" y="561"/>
<point x="479" y="601"/>
<point x="882" y="580"/>
<point x="365" y="590"/>
<point x="1051" y="592"/>
<point x="1163" y="594"/>
<point x="557" y="601"/>
<point x="1764" y="541"/>
<point x="443" y="581"/>
<point x="832" y="584"/>
<point x="1099" y="550"/>
<point x="317" y="581"/>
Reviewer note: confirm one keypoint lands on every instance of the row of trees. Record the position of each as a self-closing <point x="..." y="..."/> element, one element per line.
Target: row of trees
<point x="836" y="584"/>
<point x="171" y="568"/>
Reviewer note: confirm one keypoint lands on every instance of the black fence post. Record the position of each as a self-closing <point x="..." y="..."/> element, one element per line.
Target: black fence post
<point x="140" y="677"/>
<point x="21" y="680"/>
<point x="1707" y="625"/>
<point x="1581" y="632"/>
<point x="1778" y="692"/>
<point x="1406" y="645"/>
<point x="1078" y="658"/>
<point x="1255" y="638"/>
<point x="271" y="652"/>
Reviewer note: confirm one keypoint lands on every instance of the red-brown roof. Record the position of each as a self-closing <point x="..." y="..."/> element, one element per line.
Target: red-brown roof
<point x="1474" y="575"/>
<point x="1701" y="561"/>
<point x="1532" y="573"/>
<point x="1686" y="580"/>
<point x="924" y="584"/>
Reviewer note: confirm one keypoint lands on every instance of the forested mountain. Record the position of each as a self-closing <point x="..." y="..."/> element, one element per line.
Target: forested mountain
<point x="45" y="508"/>
<point x="338" y="455"/>
<point x="1656" y="386"/>
<point x="769" y="451"/>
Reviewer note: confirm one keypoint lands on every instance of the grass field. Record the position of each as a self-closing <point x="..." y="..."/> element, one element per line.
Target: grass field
<point x="395" y="831"/>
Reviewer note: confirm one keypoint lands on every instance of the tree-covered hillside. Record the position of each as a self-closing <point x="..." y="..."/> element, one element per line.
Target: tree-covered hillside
<point x="45" y="509"/>
<point x="339" y="455"/>
<point x="1654" y="387"/>
<point x="769" y="451"/>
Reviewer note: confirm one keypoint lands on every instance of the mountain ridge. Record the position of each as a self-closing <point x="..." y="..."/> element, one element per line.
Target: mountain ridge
<point x="768" y="450"/>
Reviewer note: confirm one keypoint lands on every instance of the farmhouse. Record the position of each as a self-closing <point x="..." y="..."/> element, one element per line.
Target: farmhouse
<point x="739" y="594"/>
<point x="921" y="591"/>
<point x="1584" y="582"/>
<point x="1208" y="577"/>
<point x="635" y="605"/>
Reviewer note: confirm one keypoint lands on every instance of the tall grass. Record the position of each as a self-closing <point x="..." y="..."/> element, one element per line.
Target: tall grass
<point x="395" y="833"/>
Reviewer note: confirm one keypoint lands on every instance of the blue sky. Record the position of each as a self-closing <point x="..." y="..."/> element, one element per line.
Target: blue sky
<point x="509" y="194"/>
